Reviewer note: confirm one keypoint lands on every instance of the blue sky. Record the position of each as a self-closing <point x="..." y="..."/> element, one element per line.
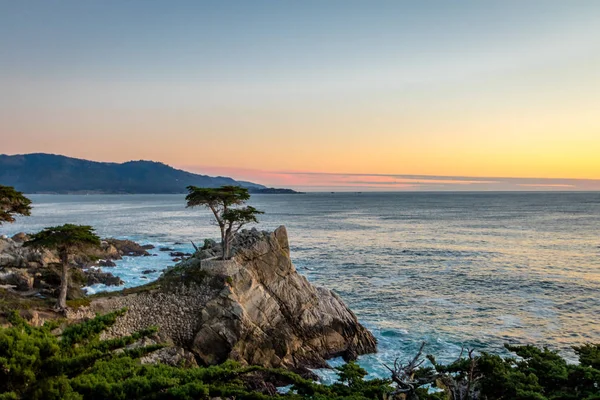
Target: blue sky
<point x="463" y="88"/>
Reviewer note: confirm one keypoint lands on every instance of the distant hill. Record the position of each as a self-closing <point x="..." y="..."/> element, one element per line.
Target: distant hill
<point x="50" y="173"/>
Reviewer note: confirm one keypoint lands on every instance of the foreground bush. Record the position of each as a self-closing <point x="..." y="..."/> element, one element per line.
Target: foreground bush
<point x="37" y="364"/>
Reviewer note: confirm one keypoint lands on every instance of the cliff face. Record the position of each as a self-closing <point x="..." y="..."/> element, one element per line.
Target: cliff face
<point x="254" y="308"/>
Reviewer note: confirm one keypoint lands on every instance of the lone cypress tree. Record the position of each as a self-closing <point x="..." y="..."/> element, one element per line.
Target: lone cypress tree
<point x="222" y="202"/>
<point x="12" y="202"/>
<point x="65" y="239"/>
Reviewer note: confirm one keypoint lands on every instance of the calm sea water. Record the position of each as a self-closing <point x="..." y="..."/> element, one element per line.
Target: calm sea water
<point x="453" y="269"/>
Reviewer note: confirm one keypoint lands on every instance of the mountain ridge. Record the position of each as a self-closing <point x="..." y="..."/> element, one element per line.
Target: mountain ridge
<point x="54" y="173"/>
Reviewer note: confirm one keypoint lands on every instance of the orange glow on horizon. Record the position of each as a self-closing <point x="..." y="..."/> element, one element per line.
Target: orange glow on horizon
<point x="514" y="97"/>
<point x="537" y="143"/>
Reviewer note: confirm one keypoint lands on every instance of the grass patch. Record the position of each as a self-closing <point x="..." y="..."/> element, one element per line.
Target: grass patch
<point x="76" y="303"/>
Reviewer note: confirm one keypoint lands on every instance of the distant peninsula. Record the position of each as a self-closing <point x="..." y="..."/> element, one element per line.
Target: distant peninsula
<point x="51" y="173"/>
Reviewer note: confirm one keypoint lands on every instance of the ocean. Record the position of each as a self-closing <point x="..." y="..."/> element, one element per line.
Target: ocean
<point x="452" y="269"/>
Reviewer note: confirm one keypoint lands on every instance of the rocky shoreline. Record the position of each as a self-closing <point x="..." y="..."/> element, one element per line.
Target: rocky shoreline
<point x="31" y="271"/>
<point x="254" y="308"/>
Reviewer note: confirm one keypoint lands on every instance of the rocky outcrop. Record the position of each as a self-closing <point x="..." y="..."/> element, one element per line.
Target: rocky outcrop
<point x="94" y="276"/>
<point x="21" y="237"/>
<point x="14" y="255"/>
<point x="18" y="278"/>
<point x="25" y="269"/>
<point x="129" y="247"/>
<point x="254" y="308"/>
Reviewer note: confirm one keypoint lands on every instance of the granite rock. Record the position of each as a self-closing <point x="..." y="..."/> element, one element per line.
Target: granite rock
<point x="254" y="308"/>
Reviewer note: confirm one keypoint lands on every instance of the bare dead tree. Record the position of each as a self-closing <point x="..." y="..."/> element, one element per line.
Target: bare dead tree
<point x="459" y="379"/>
<point x="407" y="379"/>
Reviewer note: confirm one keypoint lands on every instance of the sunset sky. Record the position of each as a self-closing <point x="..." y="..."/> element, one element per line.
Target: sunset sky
<point x="311" y="94"/>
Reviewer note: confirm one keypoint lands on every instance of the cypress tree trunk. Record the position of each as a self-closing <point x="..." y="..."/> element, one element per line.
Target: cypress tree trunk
<point x="226" y="244"/>
<point x="61" y="302"/>
<point x="223" y="244"/>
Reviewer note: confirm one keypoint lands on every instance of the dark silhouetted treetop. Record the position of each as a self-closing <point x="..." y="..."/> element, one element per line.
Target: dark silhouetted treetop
<point x="12" y="203"/>
<point x="219" y="198"/>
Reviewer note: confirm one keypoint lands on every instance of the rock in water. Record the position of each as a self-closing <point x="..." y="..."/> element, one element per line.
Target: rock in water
<point x="128" y="247"/>
<point x="254" y="308"/>
<point x="94" y="276"/>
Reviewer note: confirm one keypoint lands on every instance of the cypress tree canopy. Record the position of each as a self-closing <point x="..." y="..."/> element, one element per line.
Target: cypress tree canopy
<point x="225" y="202"/>
<point x="64" y="237"/>
<point x="224" y="196"/>
<point x="12" y="202"/>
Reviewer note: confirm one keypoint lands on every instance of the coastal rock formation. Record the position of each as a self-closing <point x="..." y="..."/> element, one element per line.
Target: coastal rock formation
<point x="127" y="248"/>
<point x="26" y="269"/>
<point x="254" y="308"/>
<point x="14" y="255"/>
<point x="94" y="276"/>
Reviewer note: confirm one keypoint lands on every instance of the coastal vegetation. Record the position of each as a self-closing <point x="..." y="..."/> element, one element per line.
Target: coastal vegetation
<point x="65" y="239"/>
<point x="224" y="203"/>
<point x="51" y="363"/>
<point x="12" y="202"/>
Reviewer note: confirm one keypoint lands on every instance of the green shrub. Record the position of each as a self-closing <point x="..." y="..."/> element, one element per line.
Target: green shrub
<point x="35" y="364"/>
